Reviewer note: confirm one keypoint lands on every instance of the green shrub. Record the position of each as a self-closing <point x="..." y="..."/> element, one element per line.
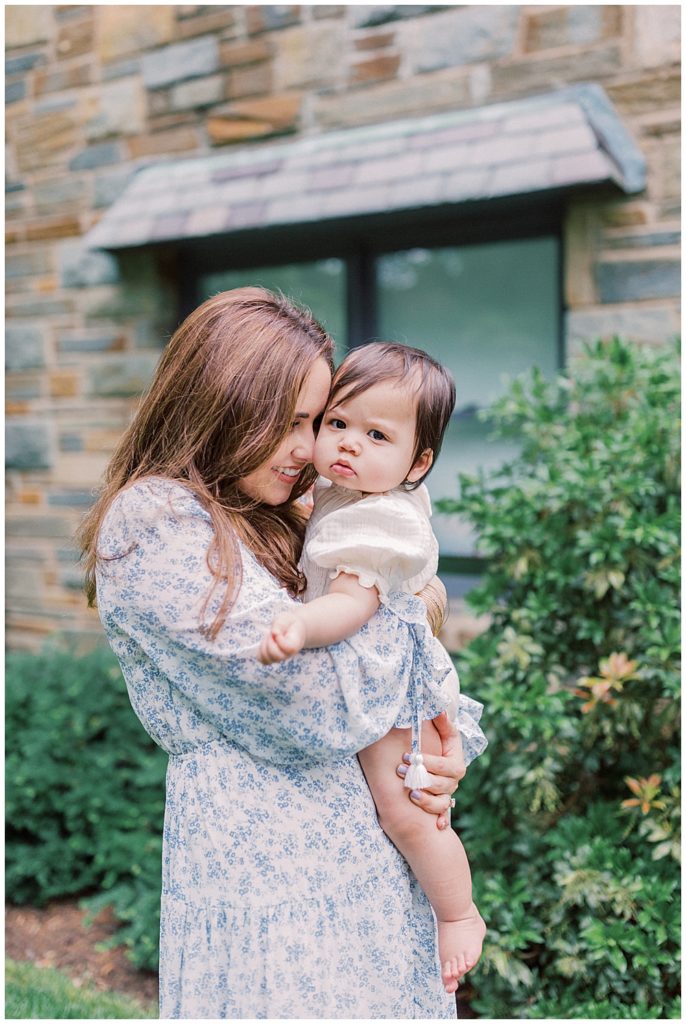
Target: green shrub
<point x="571" y="816"/>
<point x="84" y="791"/>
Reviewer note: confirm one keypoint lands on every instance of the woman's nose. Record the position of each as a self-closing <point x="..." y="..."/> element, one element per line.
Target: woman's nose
<point x="303" y="449"/>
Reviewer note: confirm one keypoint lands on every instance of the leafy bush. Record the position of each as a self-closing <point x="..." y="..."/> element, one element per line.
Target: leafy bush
<point x="84" y="791"/>
<point x="571" y="816"/>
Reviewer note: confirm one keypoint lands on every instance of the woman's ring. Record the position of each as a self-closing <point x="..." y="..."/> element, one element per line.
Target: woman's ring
<point x="452" y="802"/>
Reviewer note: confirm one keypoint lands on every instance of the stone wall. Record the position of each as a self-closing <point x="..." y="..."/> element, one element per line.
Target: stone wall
<point x="94" y="92"/>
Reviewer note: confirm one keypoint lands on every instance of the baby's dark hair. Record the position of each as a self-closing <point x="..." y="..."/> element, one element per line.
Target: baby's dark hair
<point x="434" y="389"/>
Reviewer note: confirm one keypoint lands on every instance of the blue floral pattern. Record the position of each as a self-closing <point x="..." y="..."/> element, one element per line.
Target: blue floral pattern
<point x="281" y="896"/>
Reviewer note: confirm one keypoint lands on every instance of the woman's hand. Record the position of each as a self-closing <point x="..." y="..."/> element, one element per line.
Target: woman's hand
<point x="446" y="770"/>
<point x="435" y="598"/>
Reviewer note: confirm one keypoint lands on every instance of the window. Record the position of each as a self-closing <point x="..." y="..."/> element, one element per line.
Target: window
<point x="485" y="311"/>
<point x="484" y="302"/>
<point x="319" y="285"/>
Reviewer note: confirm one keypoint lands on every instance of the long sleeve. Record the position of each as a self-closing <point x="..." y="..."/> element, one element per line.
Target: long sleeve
<point x="152" y="581"/>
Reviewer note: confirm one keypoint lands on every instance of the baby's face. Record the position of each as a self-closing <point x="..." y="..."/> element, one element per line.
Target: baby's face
<point x="367" y="443"/>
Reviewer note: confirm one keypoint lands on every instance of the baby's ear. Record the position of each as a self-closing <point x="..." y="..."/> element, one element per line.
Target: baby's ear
<point x="421" y="466"/>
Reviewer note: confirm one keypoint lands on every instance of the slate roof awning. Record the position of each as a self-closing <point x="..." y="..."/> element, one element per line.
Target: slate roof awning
<point x="561" y="140"/>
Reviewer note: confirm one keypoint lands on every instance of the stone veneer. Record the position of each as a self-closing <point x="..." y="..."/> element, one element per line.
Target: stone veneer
<point x="95" y="92"/>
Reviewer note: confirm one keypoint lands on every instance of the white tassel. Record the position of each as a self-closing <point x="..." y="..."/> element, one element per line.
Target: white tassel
<point x="417" y="776"/>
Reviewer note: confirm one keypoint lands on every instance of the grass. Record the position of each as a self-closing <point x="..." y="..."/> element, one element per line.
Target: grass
<point x="42" y="992"/>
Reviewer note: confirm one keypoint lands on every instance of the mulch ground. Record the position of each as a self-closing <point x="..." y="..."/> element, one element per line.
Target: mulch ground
<point x="55" y="936"/>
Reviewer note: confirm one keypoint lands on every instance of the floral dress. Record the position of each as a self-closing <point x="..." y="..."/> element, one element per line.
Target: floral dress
<point x="281" y="895"/>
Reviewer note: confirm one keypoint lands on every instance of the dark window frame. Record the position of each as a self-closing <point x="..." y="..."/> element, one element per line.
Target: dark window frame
<point x="358" y="240"/>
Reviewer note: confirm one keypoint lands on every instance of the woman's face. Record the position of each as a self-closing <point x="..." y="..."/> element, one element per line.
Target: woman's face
<point x="273" y="481"/>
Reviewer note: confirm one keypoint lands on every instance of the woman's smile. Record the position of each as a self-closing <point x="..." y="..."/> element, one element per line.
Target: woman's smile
<point x="288" y="474"/>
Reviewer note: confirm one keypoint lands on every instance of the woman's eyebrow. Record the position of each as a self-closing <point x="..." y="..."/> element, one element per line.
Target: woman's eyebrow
<point x="301" y="416"/>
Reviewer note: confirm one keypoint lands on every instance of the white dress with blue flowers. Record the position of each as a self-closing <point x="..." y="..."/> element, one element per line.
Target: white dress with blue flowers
<point x="281" y="896"/>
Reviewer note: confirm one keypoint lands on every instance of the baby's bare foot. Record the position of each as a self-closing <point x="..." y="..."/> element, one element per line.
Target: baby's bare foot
<point x="459" y="947"/>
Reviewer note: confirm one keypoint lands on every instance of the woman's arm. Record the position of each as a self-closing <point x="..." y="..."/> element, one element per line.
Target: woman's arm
<point x="447" y="770"/>
<point x="321" y="704"/>
<point x="435" y="597"/>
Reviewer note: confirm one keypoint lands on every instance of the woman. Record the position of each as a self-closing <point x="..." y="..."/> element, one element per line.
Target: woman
<point x="281" y="895"/>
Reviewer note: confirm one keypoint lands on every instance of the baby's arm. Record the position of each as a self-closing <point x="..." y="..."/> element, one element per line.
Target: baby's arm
<point x="337" y="615"/>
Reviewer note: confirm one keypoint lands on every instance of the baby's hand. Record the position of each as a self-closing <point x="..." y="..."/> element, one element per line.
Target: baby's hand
<point x="285" y="638"/>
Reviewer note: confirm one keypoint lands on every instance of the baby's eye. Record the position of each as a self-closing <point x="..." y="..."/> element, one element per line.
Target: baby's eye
<point x="336" y="423"/>
<point x="376" y="435"/>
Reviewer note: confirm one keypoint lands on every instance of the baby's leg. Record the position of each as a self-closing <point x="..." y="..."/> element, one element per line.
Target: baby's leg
<point x="437" y="857"/>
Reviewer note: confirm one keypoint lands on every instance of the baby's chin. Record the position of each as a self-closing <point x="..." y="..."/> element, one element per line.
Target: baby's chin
<point x="346" y="484"/>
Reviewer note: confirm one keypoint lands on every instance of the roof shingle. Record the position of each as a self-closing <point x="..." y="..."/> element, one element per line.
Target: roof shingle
<point x="559" y="140"/>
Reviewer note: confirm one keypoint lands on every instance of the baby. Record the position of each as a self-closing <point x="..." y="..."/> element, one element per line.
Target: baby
<point x="368" y="541"/>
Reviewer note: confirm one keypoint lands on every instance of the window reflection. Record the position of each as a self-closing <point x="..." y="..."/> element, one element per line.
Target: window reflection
<point x="487" y="312"/>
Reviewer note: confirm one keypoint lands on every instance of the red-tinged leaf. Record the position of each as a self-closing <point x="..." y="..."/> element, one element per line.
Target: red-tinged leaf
<point x="618" y="666"/>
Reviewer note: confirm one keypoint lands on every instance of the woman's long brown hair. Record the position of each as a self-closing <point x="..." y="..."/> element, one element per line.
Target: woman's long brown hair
<point x="221" y="402"/>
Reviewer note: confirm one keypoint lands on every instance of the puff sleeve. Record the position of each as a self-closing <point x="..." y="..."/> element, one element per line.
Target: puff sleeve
<point x="152" y="579"/>
<point x="384" y="539"/>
